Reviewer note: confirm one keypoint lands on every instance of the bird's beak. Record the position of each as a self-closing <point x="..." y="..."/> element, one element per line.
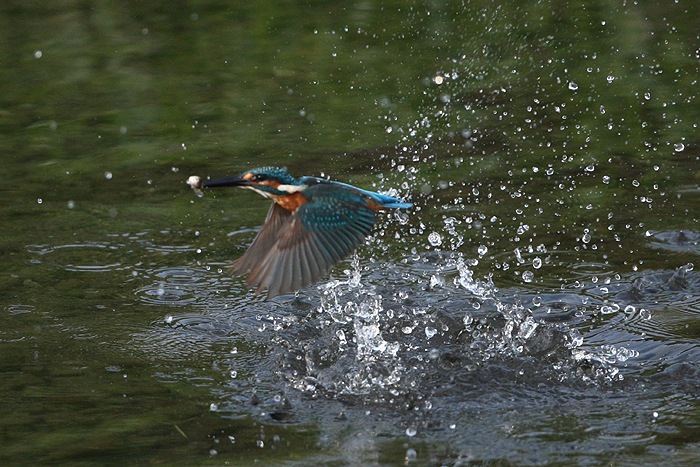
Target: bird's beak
<point x="226" y="181"/>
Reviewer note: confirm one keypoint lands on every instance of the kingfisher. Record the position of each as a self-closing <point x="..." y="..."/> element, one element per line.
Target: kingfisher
<point x="313" y="223"/>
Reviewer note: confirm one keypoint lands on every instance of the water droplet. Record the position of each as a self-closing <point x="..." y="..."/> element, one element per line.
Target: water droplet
<point x="527" y="328"/>
<point x="411" y="432"/>
<point x="635" y="183"/>
<point x="411" y="455"/>
<point x="590" y="168"/>
<point x="108" y="175"/>
<point x="573" y="86"/>
<point x="528" y="276"/>
<point x="482" y="250"/>
<point x="213" y="407"/>
<point x="537" y="263"/>
<point x="678" y="147"/>
<point x="435" y="239"/>
<point x="519" y="256"/>
<point x="610" y="78"/>
<point x="606" y="179"/>
<point x="39" y="201"/>
<point x="71" y="204"/>
<point x="38" y="54"/>
<point x="430" y="332"/>
<point x="437" y="281"/>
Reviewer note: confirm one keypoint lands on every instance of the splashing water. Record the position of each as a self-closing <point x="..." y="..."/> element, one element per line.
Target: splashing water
<point x="392" y="344"/>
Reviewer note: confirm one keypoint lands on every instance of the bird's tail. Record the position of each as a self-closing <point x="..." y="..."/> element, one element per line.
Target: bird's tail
<point x="387" y="201"/>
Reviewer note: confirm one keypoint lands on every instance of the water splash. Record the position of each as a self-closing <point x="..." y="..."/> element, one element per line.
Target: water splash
<point x="378" y="339"/>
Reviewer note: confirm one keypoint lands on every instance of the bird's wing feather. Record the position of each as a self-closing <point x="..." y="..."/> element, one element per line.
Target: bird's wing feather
<point x="276" y="218"/>
<point x="309" y="242"/>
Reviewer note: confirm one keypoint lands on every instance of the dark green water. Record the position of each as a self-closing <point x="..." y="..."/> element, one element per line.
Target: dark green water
<point x="539" y="305"/>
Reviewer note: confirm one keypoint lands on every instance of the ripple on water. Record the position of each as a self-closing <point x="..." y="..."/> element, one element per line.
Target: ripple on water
<point x="180" y="337"/>
<point x="647" y="316"/>
<point x="80" y="257"/>
<point x="180" y="285"/>
<point x="189" y="337"/>
<point x="20" y="309"/>
<point x="589" y="268"/>
<point x="156" y="240"/>
<point x="680" y="241"/>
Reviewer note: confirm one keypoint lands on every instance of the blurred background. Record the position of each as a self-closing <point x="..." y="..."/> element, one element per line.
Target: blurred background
<point x="538" y="305"/>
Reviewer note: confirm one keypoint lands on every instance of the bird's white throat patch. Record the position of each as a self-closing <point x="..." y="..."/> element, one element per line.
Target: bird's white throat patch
<point x="292" y="188"/>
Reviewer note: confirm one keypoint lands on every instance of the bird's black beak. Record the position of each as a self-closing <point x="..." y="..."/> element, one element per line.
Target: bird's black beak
<point x="226" y="181"/>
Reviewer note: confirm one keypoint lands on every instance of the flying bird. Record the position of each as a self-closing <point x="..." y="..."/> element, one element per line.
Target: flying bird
<point x="313" y="223"/>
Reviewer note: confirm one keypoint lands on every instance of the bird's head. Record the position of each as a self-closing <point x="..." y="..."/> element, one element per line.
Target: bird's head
<point x="267" y="181"/>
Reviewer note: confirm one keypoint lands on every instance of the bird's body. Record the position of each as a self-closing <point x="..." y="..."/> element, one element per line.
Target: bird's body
<point x="312" y="224"/>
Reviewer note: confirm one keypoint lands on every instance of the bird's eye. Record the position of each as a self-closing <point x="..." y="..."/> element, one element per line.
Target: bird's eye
<point x="259" y="177"/>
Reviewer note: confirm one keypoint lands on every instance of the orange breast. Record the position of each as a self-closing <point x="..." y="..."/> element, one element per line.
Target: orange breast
<point x="291" y="202"/>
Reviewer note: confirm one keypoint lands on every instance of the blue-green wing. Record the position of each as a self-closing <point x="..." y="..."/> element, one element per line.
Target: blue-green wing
<point x="384" y="200"/>
<point x="320" y="233"/>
